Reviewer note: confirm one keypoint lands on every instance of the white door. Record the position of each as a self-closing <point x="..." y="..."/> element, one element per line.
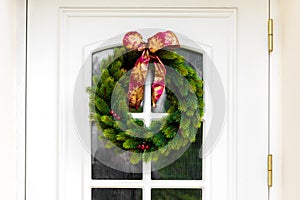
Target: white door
<point x="230" y="36"/>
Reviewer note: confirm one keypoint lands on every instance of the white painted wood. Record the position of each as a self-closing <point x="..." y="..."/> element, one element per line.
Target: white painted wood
<point x="20" y="96"/>
<point x="146" y="183"/>
<point x="237" y="167"/>
<point x="8" y="121"/>
<point x="147" y="116"/>
<point x="275" y="143"/>
<point x="207" y="167"/>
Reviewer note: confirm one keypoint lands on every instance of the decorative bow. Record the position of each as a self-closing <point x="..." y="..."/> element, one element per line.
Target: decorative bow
<point x="134" y="41"/>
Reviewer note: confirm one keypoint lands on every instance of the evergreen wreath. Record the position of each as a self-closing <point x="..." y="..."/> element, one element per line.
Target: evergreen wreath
<point x="118" y="126"/>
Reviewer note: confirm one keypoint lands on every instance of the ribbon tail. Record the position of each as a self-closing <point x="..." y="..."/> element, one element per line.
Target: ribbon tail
<point x="137" y="80"/>
<point x="158" y="85"/>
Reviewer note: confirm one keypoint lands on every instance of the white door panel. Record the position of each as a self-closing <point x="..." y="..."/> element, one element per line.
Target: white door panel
<point x="61" y="36"/>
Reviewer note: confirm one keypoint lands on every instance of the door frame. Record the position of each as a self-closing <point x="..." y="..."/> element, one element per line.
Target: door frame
<point x="21" y="101"/>
<point x="21" y="57"/>
<point x="275" y="141"/>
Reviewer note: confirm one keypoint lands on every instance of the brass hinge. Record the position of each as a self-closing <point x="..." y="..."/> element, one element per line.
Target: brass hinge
<point x="270" y="35"/>
<point x="270" y="170"/>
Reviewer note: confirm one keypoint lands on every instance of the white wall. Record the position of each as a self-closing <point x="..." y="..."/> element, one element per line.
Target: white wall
<point x="7" y="100"/>
<point x="290" y="12"/>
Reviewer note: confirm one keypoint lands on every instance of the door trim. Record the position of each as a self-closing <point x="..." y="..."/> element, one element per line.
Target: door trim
<point x="275" y="134"/>
<point x="66" y="16"/>
<point x="275" y="137"/>
<point x="21" y="74"/>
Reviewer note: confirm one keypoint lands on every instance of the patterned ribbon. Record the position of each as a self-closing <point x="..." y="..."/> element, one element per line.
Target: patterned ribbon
<point x="134" y="41"/>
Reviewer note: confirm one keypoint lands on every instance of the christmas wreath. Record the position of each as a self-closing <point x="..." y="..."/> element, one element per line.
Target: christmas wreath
<point x="184" y="102"/>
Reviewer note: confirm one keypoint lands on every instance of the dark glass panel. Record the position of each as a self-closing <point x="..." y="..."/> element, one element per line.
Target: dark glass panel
<point x="176" y="194"/>
<point x="116" y="194"/>
<point x="187" y="167"/>
<point x="106" y="163"/>
<point x="111" y="158"/>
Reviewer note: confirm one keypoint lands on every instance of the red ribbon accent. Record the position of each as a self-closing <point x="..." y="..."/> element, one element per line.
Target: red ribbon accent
<point x="134" y="41"/>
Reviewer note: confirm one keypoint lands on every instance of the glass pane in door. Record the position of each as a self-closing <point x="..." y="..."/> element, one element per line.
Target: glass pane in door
<point x="104" y="159"/>
<point x="176" y="194"/>
<point x="116" y="194"/>
<point x="187" y="167"/>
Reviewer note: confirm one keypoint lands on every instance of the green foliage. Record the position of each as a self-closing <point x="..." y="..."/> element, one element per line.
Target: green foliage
<point x="101" y="105"/>
<point x="122" y="137"/>
<point x="130" y="143"/>
<point x="136" y="158"/>
<point x="162" y="136"/>
<point x="159" y="140"/>
<point x="107" y="120"/>
<point x="110" y="134"/>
